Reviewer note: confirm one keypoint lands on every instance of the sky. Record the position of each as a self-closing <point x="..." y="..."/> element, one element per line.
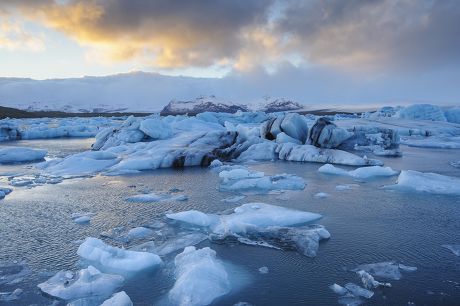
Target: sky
<point x="317" y="50"/>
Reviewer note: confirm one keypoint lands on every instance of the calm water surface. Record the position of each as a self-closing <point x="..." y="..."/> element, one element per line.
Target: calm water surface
<point x="368" y="224"/>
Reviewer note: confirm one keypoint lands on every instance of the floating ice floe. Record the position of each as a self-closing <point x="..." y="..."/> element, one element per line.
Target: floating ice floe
<point x="82" y="218"/>
<point x="11" y="296"/>
<point x="321" y="195"/>
<point x="156" y="197"/>
<point x="200" y="278"/>
<point x="427" y="182"/>
<point x="179" y="242"/>
<point x="262" y="224"/>
<point x="87" y="283"/>
<point x="110" y="258"/>
<point x="34" y="180"/>
<point x="386" y="270"/>
<point x="263" y="270"/>
<point x="4" y="191"/>
<point x="359" y="173"/>
<point x="80" y="164"/>
<point x="20" y="155"/>
<point x="13" y="272"/>
<point x="118" y="299"/>
<point x="351" y="293"/>
<point x="244" y="180"/>
<point x="346" y="187"/>
<point x="454" y="248"/>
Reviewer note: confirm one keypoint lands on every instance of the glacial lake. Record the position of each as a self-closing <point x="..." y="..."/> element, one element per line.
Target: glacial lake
<point x="368" y="224"/>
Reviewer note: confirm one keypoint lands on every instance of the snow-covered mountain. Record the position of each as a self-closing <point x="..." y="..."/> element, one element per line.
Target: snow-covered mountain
<point x="202" y="104"/>
<point x="214" y="104"/>
<point x="136" y="92"/>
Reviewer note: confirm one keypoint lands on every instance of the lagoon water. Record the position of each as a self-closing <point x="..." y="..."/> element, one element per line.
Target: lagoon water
<point x="368" y="224"/>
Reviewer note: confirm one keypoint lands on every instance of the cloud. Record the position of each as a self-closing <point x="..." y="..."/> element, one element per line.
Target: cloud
<point x="375" y="34"/>
<point x="355" y="35"/>
<point x="13" y="37"/>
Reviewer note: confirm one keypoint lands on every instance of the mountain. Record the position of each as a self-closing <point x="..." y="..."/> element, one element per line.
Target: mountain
<point x="213" y="104"/>
<point x="202" y="104"/>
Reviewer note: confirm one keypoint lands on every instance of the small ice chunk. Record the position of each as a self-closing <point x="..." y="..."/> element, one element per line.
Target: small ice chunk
<point x="427" y="182"/>
<point x="215" y="164"/>
<point x="118" y="299"/>
<point x="454" y="248"/>
<point x="387" y="269"/>
<point x="321" y="195"/>
<point x="20" y="155"/>
<point x="263" y="270"/>
<point x="359" y="291"/>
<point x="156" y="197"/>
<point x="87" y="282"/>
<point x="4" y="191"/>
<point x="11" y="296"/>
<point x="81" y="218"/>
<point x="13" y="272"/>
<point x="139" y="232"/>
<point x="115" y="259"/>
<point x="338" y="289"/>
<point x="200" y="278"/>
<point x="193" y="217"/>
<point x="368" y="280"/>
<point x="345" y="187"/>
<point x="407" y="268"/>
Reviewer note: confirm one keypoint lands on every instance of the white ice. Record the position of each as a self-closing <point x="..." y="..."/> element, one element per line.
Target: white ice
<point x="114" y="259"/>
<point x="4" y="191"/>
<point x="200" y="278"/>
<point x="427" y="182"/>
<point x="118" y="299"/>
<point x="386" y="270"/>
<point x="20" y="154"/>
<point x="179" y="242"/>
<point x="87" y="282"/>
<point x="263" y="270"/>
<point x="359" y="173"/>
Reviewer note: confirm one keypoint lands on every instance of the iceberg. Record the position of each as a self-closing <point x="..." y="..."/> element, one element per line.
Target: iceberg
<point x="11" y="296"/>
<point x="200" y="278"/>
<point x="441" y="142"/>
<point x="386" y="270"/>
<point x="4" y="191"/>
<point x="179" y="242"/>
<point x="20" y="155"/>
<point x="325" y="134"/>
<point x="359" y="173"/>
<point x="427" y="182"/>
<point x="81" y="218"/>
<point x="111" y="258"/>
<point x="422" y="112"/>
<point x="87" y="282"/>
<point x="118" y="299"/>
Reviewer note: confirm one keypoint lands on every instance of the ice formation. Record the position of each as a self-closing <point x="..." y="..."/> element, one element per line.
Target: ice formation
<point x="110" y="258"/>
<point x="118" y="299"/>
<point x="359" y="173"/>
<point x="244" y="180"/>
<point x="13" y="272"/>
<point x="386" y="270"/>
<point x="427" y="182"/>
<point x="81" y="218"/>
<point x="200" y="278"/>
<point x="4" y="191"/>
<point x="261" y="225"/>
<point x="89" y="282"/>
<point x="20" y="155"/>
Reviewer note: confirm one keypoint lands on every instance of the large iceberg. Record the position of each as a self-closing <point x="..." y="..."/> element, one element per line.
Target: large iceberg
<point x="200" y="278"/>
<point x="111" y="258"/>
<point x="89" y="282"/>
<point x="427" y="182"/>
<point x="20" y="155"/>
